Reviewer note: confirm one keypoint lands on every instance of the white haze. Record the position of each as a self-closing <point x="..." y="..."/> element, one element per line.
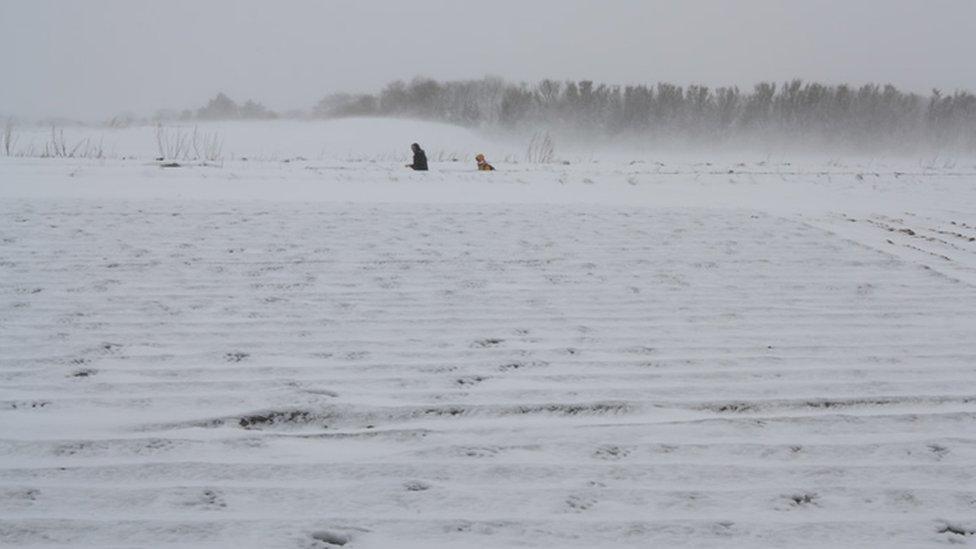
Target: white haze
<point x="98" y="58"/>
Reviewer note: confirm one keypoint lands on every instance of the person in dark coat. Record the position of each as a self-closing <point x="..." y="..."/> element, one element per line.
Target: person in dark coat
<point x="419" y="159"/>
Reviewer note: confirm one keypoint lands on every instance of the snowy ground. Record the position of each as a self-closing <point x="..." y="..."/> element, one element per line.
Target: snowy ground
<point x="608" y="354"/>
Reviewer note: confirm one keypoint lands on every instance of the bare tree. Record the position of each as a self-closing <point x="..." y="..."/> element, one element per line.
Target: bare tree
<point x="541" y="149"/>
<point x="171" y="143"/>
<point x="7" y="139"/>
<point x="58" y="147"/>
<point x="177" y="143"/>
<point x="207" y="146"/>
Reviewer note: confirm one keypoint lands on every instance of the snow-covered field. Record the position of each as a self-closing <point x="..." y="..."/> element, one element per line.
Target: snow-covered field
<point x="612" y="353"/>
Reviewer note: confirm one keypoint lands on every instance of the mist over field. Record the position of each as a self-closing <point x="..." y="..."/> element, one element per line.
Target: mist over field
<point x="450" y="274"/>
<point x="795" y="117"/>
<point x="858" y="77"/>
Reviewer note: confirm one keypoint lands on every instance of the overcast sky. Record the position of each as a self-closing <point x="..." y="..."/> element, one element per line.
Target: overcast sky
<point x="100" y="57"/>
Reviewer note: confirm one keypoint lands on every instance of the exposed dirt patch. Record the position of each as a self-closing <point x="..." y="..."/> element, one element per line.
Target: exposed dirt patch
<point x="730" y="407"/>
<point x="938" y="451"/>
<point x="956" y="529"/>
<point x="416" y="486"/>
<point x="578" y="504"/>
<point x="488" y="342"/>
<point x="293" y="417"/>
<point x="330" y="538"/>
<point x="598" y="408"/>
<point x="209" y="499"/>
<point x="27" y="404"/>
<point x="803" y="500"/>
<point x="831" y="403"/>
<point x="469" y="381"/>
<point x="450" y="411"/>
<point x="611" y="453"/>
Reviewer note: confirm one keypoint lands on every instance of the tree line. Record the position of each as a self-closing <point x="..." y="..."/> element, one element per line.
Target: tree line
<point x="796" y="113"/>
<point x="804" y="113"/>
<point x="220" y="107"/>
